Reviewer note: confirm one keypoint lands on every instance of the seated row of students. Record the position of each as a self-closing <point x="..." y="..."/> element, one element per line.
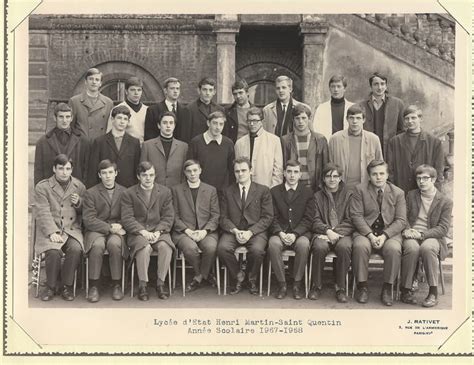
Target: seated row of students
<point x="155" y="218"/>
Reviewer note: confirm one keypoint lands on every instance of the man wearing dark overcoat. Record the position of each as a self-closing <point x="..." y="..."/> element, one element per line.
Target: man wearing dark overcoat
<point x="147" y="216"/>
<point x="103" y="230"/>
<point x="58" y="206"/>
<point x="236" y="124"/>
<point x="195" y="226"/>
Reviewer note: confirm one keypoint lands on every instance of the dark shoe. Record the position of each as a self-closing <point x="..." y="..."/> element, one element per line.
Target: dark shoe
<point x="297" y="294"/>
<point x="341" y="296"/>
<point x="237" y="289"/>
<point x="362" y="295"/>
<point x="143" y="293"/>
<point x="48" y="295"/>
<point x="408" y="298"/>
<point x="67" y="293"/>
<point x="253" y="289"/>
<point x="94" y="295"/>
<point x="314" y="293"/>
<point x="192" y="286"/>
<point x="211" y="279"/>
<point x="117" y="293"/>
<point x="161" y="291"/>
<point x="281" y="294"/>
<point x="386" y="297"/>
<point x="430" y="301"/>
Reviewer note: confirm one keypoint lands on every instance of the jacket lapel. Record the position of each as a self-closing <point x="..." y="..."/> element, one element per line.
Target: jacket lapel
<point x="154" y="195"/>
<point x="72" y="143"/>
<point x="236" y="195"/>
<point x="250" y="195"/>
<point x="105" y="195"/>
<point x="174" y="146"/>
<point x="434" y="204"/>
<point x="53" y="142"/>
<point x="202" y="109"/>
<point x="111" y="142"/>
<point x="189" y="196"/>
<point x="159" y="146"/>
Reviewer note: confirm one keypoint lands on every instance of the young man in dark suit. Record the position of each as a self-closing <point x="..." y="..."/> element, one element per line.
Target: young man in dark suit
<point x="61" y="140"/>
<point x="429" y="218"/>
<point x="195" y="226"/>
<point x="236" y="124"/>
<point x="172" y="90"/>
<point x="201" y="108"/>
<point x="378" y="212"/>
<point x="103" y="231"/>
<point x="246" y="214"/>
<point x="117" y="146"/>
<point x="147" y="215"/>
<point x="290" y="229"/>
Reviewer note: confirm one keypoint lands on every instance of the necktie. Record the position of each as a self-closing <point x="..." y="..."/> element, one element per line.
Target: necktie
<point x="174" y="109"/>
<point x="290" y="194"/>
<point x="380" y="198"/>
<point x="243" y="197"/>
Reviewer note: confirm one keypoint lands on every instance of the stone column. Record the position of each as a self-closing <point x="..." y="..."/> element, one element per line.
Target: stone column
<point x="314" y="32"/>
<point x="225" y="27"/>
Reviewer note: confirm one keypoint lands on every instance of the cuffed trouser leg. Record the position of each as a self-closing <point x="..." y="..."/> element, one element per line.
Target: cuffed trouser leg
<point x="410" y="255"/>
<point x="208" y="247"/>
<point x="165" y="252"/>
<point x="392" y="256"/>
<point x="191" y="253"/>
<point x="142" y="258"/>
<point x="301" y="248"/>
<point x="275" y="249"/>
<point x="72" y="250"/>
<point x="361" y="251"/>
<point x="114" y="246"/>
<point x="429" y="251"/>
<point x="343" y="250"/>
<point x="320" y="249"/>
<point x="96" y="257"/>
<point x="53" y="267"/>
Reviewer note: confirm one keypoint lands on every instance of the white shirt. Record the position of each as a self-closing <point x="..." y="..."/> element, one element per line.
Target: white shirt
<point x="247" y="187"/>
<point x="208" y="138"/>
<point x="169" y="105"/>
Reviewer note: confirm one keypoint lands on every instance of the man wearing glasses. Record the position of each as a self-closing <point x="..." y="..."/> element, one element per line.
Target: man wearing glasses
<point x="332" y="230"/>
<point x="263" y="149"/>
<point x="429" y="218"/>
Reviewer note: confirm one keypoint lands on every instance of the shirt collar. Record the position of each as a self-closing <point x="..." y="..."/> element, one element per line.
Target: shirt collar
<point x="208" y="138"/>
<point x="247" y="187"/>
<point x="169" y="105"/>
<point x="288" y="187"/>
<point x="193" y="185"/>
<point x="117" y="134"/>
<point x="372" y="97"/>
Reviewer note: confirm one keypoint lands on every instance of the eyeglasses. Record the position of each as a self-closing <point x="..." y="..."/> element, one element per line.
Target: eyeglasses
<point x="423" y="178"/>
<point x="253" y="121"/>
<point x="332" y="177"/>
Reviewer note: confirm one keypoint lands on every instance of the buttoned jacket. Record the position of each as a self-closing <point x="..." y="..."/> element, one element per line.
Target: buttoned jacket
<point x="183" y="121"/>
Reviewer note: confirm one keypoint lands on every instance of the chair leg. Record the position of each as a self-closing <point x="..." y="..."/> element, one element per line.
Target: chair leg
<point x="170" y="280"/>
<point x="310" y="270"/>
<point x="174" y="269"/>
<point x="441" y="274"/>
<point x="398" y="284"/>
<point x="87" y="277"/>
<point x="37" y="273"/>
<point x="123" y="276"/>
<point x="269" y="283"/>
<point x="347" y="284"/>
<point x="306" y="280"/>
<point x="132" y="276"/>
<point x="261" y="280"/>
<point x="74" y="284"/>
<point x="183" y="275"/>
<point x="218" y="276"/>
<point x="353" y="286"/>
<point x="225" y="280"/>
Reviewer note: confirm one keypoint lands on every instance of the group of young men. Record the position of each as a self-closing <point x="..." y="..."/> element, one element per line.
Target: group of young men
<point x="207" y="180"/>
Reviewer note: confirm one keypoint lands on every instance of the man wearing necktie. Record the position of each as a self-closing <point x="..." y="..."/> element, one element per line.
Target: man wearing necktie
<point x="378" y="211"/>
<point x="290" y="229"/>
<point x="246" y="214"/>
<point x="278" y="114"/>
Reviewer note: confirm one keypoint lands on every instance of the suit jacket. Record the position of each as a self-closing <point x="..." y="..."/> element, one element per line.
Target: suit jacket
<point x="267" y="158"/>
<point x="183" y="121"/>
<point x="54" y="213"/>
<point x="339" y="152"/>
<point x="136" y="125"/>
<point x="127" y="158"/>
<point x="198" y="117"/>
<point x="364" y="210"/>
<point x="258" y="210"/>
<point x="137" y="215"/>
<point x="48" y="147"/>
<point x="98" y="212"/>
<point x="439" y="217"/>
<point x="169" y="171"/>
<point x="393" y="121"/>
<point x="322" y="120"/>
<point x="231" y="127"/>
<point x="318" y="155"/>
<point x="90" y="120"/>
<point x="270" y="115"/>
<point x="205" y="213"/>
<point x="402" y="164"/>
<point x="292" y="216"/>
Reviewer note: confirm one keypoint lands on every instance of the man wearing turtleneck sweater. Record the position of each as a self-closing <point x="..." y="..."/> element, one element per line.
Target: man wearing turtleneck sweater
<point x="91" y="109"/>
<point x="429" y="218"/>
<point x="117" y="146"/>
<point x="166" y="153"/>
<point x="263" y="149"/>
<point x="331" y="116"/>
<point x="61" y="140"/>
<point x="133" y="95"/>
<point x="309" y="148"/>
<point x="411" y="149"/>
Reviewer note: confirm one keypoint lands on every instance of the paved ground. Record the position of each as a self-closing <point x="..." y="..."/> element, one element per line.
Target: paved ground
<point x="206" y="297"/>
